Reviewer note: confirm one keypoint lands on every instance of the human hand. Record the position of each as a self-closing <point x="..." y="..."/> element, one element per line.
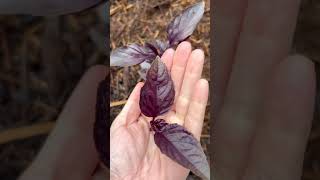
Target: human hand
<point x="69" y="152"/>
<point x="133" y="153"/>
<point x="263" y="98"/>
<point x="45" y="7"/>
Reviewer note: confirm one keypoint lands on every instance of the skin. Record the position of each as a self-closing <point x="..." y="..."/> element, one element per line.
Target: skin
<point x="69" y="151"/>
<point x="263" y="97"/>
<point x="133" y="153"/>
<point x="263" y="102"/>
<point x="70" y="143"/>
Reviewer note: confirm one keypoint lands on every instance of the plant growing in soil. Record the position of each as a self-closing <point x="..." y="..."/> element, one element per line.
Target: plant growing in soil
<point x="157" y="95"/>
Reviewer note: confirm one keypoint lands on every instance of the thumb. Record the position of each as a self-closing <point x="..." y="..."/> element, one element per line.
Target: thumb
<point x="69" y="152"/>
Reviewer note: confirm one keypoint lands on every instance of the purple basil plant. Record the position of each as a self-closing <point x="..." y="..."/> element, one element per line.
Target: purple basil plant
<point x="157" y="96"/>
<point x="178" y="30"/>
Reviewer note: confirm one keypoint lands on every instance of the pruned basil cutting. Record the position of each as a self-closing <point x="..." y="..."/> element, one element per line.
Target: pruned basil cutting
<point x="178" y="30"/>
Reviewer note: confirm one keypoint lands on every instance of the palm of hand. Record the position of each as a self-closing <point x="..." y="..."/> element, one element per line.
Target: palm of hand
<point x="139" y="156"/>
<point x="134" y="155"/>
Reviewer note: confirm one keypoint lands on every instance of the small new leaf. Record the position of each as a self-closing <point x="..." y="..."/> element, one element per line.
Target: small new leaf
<point x="183" y="25"/>
<point x="158" y="46"/>
<point x="181" y="146"/>
<point x="131" y="55"/>
<point x="157" y="94"/>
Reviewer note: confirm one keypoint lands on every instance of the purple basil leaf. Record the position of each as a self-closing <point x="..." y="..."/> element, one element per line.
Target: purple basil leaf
<point x="101" y="131"/>
<point x="158" y="46"/>
<point x="131" y="55"/>
<point x="181" y="146"/>
<point x="157" y="94"/>
<point x="182" y="26"/>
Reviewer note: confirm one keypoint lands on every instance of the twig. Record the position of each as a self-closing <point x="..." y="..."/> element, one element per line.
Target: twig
<point x="205" y="135"/>
<point x="114" y="10"/>
<point x="25" y="132"/>
<point x="118" y="103"/>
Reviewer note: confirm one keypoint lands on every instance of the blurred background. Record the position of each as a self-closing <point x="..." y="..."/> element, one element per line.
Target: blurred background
<point x="307" y="42"/>
<point x="41" y="61"/>
<point x="143" y="21"/>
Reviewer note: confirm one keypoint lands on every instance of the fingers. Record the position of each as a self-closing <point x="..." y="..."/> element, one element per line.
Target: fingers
<point x="195" y="116"/>
<point x="265" y="40"/>
<point x="279" y="145"/>
<point x="131" y="111"/>
<point x="191" y="77"/>
<point x="179" y="64"/>
<point x="167" y="58"/>
<point x="69" y="152"/>
<point x="229" y="16"/>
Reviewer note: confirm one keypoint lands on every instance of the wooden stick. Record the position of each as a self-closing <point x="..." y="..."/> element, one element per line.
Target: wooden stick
<point x="118" y="103"/>
<point x="205" y="135"/>
<point x="114" y="10"/>
<point x="25" y="132"/>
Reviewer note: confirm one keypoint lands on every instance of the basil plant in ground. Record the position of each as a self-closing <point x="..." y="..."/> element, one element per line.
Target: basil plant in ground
<point x="157" y="96"/>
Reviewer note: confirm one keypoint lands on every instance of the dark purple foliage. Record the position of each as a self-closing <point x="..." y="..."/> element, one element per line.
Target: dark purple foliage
<point x="180" y="28"/>
<point x="181" y="146"/>
<point x="157" y="94"/>
<point x="183" y="25"/>
<point x="131" y="55"/>
<point x="156" y="98"/>
<point x="102" y="124"/>
<point x="158" y="46"/>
